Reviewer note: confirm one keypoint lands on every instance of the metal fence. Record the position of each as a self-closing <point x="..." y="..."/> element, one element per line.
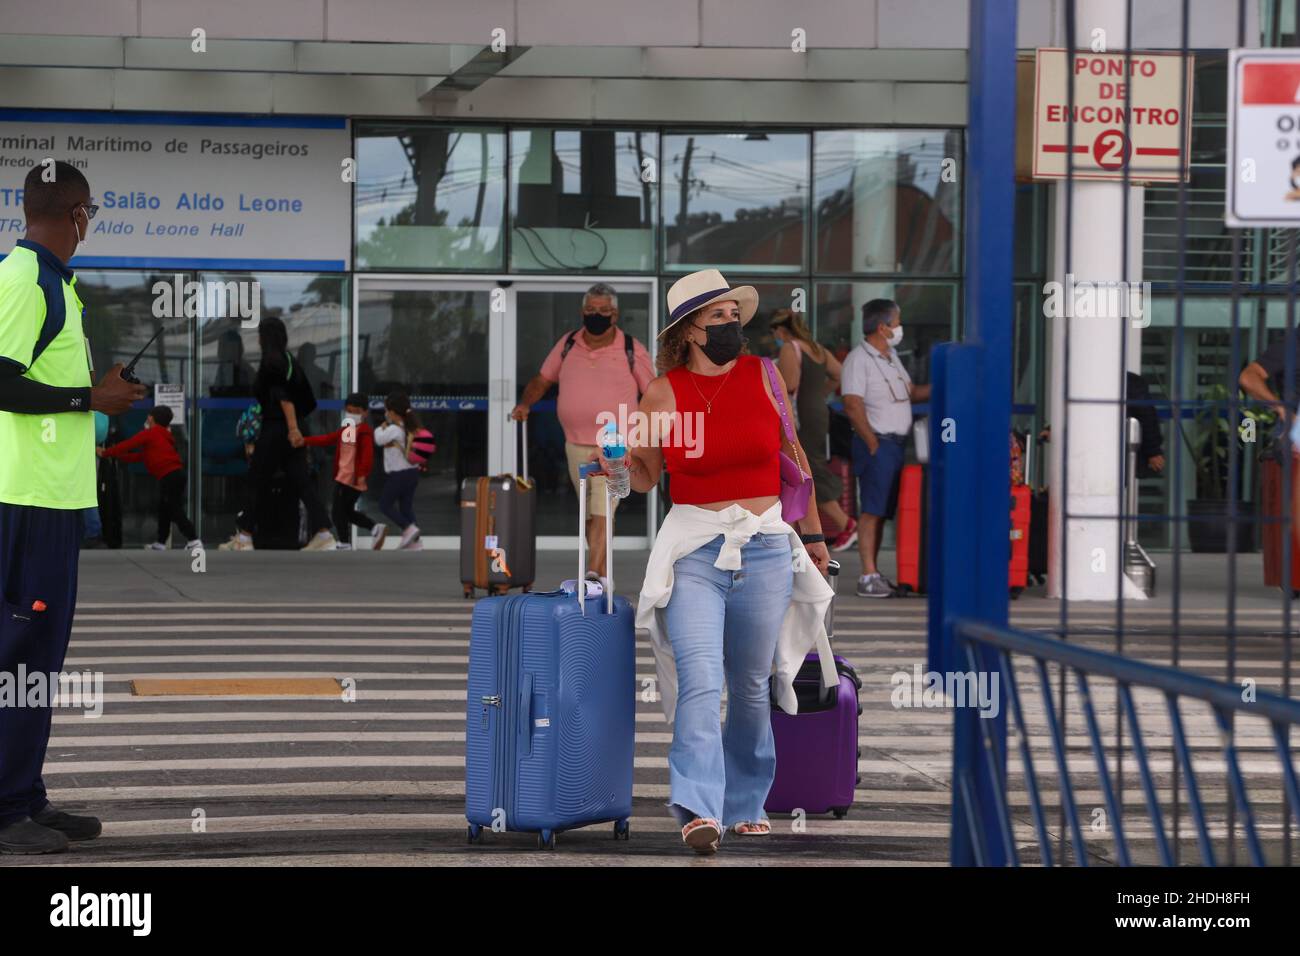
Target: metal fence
<point x="1198" y="698"/>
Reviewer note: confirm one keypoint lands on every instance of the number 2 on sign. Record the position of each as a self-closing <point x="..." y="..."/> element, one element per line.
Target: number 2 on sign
<point x="1110" y="149"/>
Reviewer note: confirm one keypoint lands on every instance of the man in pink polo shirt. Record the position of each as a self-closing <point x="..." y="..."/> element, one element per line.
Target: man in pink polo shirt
<point x="598" y="368"/>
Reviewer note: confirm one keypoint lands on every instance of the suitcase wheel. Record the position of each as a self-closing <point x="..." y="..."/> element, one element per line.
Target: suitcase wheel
<point x="622" y="830"/>
<point x="903" y="590"/>
<point x="468" y="589"/>
<point x="1015" y="593"/>
<point x="546" y="840"/>
<point x="475" y="833"/>
<point x="840" y="812"/>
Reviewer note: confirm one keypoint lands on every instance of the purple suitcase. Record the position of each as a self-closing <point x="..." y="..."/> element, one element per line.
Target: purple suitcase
<point x="817" y="749"/>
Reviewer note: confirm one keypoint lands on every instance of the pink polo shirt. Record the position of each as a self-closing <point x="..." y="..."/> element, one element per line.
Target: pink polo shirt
<point x="594" y="381"/>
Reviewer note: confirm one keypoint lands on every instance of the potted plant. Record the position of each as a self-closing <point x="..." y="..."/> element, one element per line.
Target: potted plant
<point x="1207" y="513"/>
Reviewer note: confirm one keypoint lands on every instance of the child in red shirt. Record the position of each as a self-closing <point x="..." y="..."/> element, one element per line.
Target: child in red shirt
<point x="156" y="447"/>
<point x="355" y="453"/>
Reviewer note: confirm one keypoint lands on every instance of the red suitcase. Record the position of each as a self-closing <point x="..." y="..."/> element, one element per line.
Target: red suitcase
<point x="1021" y="501"/>
<point x="1275" y="532"/>
<point x="910" y="530"/>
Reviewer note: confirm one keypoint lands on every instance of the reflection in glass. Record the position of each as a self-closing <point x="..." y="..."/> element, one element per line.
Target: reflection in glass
<point x="314" y="310"/>
<point x="583" y="200"/>
<point x="1029" y="248"/>
<point x="433" y="344"/>
<point x="885" y="201"/>
<point x="429" y="197"/>
<point x="119" y="321"/>
<point x="735" y="201"/>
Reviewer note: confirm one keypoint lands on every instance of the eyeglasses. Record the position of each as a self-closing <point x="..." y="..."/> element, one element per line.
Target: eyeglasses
<point x="90" y="208"/>
<point x="893" y="384"/>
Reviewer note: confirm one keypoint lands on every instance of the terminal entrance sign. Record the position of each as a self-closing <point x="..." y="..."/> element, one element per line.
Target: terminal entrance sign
<point x="192" y="190"/>
<point x="1263" y="138"/>
<point x="1130" y="110"/>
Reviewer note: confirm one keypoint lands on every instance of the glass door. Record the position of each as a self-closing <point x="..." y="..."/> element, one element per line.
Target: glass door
<point x="464" y="349"/>
<point x="437" y="340"/>
<point x="542" y="312"/>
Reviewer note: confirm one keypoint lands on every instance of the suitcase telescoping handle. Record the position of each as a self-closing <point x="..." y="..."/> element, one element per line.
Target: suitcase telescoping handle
<point x="584" y="471"/>
<point x="521" y="448"/>
<point x="829" y="672"/>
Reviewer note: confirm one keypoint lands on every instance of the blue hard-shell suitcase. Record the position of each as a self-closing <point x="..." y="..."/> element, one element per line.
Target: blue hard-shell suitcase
<point x="551" y="714"/>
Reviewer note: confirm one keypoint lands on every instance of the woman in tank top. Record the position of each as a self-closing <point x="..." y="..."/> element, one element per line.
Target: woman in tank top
<point x="724" y="570"/>
<point x="812" y="373"/>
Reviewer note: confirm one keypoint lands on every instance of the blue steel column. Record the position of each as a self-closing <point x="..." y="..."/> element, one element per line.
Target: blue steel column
<point x="970" y="480"/>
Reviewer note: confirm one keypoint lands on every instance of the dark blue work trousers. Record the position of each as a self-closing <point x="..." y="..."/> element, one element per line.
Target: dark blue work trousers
<point x="39" y="550"/>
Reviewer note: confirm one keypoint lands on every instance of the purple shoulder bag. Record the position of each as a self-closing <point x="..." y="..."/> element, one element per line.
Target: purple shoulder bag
<point x="796" y="487"/>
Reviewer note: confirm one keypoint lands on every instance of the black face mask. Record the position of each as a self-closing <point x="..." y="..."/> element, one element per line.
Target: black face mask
<point x="724" y="342"/>
<point x="596" y="323"/>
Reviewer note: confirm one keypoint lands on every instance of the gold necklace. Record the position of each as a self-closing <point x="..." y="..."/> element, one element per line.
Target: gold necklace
<point x="708" y="402"/>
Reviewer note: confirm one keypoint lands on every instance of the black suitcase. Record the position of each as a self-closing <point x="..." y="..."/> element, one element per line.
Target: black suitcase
<point x="108" y="491"/>
<point x="1038" y="536"/>
<point x="498" y="529"/>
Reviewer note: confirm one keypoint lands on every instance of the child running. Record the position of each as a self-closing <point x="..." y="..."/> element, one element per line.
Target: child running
<point x="156" y="447"/>
<point x="354" y="454"/>
<point x="402" y="475"/>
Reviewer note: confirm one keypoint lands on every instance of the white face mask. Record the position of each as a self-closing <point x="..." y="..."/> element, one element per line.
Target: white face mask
<point x="896" y="336"/>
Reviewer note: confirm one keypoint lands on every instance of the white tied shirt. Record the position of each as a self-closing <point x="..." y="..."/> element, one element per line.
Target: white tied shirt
<point x="688" y="528"/>
<point x="883" y="385"/>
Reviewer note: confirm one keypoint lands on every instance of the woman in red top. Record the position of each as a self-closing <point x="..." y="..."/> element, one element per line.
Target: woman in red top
<point x="721" y="451"/>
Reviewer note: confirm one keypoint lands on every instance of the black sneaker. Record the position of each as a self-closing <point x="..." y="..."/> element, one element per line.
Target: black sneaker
<point x="26" y="836"/>
<point x="76" y="829"/>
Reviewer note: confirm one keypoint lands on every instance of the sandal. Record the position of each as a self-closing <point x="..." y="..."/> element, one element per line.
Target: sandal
<point x="756" y="828"/>
<point x="702" y="835"/>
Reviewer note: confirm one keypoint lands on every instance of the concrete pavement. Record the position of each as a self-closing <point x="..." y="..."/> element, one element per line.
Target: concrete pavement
<point x="265" y="781"/>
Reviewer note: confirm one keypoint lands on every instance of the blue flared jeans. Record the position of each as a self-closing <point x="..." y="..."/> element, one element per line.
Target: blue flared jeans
<point x="725" y="625"/>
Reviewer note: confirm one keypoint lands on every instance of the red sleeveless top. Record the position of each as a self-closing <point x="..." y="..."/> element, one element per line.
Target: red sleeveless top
<point x="729" y="451"/>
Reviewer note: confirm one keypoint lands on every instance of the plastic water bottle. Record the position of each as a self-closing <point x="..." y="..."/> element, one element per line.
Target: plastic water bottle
<point x="613" y="461"/>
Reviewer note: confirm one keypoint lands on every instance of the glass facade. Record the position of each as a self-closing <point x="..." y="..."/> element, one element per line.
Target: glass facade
<point x="817" y="220"/>
<point x="433" y="344"/>
<point x="583" y="200"/>
<point x="887" y="201"/>
<point x="736" y="201"/>
<point x="429" y="198"/>
<point x="119" y="321"/>
<point x="315" y="311"/>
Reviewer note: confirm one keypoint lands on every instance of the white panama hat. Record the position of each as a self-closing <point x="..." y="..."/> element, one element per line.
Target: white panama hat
<point x="693" y="292"/>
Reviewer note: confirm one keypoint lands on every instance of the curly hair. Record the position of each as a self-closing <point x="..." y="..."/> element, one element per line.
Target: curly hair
<point x="675" y="346"/>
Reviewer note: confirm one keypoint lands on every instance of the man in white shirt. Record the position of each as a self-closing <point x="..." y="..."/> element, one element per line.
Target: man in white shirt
<point x="878" y="396"/>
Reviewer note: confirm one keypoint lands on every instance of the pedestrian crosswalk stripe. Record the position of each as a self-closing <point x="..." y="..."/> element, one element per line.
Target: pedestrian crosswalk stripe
<point x="236" y="686"/>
